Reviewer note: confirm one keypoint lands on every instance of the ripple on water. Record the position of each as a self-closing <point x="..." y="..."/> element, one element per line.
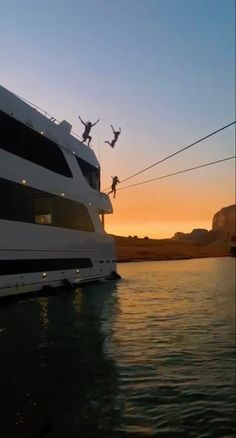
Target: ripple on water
<point x="151" y="355"/>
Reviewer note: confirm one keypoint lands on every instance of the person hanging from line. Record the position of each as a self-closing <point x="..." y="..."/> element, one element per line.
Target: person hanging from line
<point x="115" y="180"/>
<point x="87" y="130"/>
<point x="116" y="135"/>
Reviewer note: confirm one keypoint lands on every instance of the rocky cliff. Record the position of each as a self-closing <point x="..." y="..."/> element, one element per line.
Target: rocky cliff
<point x="223" y="228"/>
<point x="224" y="222"/>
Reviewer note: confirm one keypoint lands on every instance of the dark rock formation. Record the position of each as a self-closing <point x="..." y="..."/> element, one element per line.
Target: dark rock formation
<point x="224" y="222"/>
<point x="223" y="228"/>
<point x="198" y="236"/>
<point x="194" y="236"/>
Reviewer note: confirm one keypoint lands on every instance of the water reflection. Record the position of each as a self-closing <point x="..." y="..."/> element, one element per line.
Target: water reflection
<point x="58" y="376"/>
<point x="175" y="338"/>
<point x="151" y="355"/>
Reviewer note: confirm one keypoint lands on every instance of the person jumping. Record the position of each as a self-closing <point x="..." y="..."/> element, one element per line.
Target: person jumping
<point x="116" y="135"/>
<point x="87" y="130"/>
<point x="115" y="180"/>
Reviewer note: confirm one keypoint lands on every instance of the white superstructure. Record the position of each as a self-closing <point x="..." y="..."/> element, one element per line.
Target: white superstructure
<point x="51" y="206"/>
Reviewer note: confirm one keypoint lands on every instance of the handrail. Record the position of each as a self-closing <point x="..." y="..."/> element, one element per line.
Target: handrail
<point x="49" y="116"/>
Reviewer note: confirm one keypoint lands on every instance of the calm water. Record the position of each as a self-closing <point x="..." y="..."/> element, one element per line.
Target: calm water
<point x="151" y="355"/>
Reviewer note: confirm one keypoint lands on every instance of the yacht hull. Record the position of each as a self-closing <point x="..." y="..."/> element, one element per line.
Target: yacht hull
<point x="51" y="232"/>
<point x="34" y="256"/>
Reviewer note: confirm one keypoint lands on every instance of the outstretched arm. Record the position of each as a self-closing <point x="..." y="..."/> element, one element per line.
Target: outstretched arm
<point x="82" y="121"/>
<point x="113" y="129"/>
<point x="98" y="120"/>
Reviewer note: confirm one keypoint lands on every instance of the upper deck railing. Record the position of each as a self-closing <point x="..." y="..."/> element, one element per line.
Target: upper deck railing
<point x="49" y="116"/>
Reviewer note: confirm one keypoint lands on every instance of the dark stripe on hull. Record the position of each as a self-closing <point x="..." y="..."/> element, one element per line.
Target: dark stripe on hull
<point x="8" y="267"/>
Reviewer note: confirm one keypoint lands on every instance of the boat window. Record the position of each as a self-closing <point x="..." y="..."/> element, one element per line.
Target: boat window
<point x="21" y="203"/>
<point x="91" y="173"/>
<point x="26" y="143"/>
<point x="43" y="219"/>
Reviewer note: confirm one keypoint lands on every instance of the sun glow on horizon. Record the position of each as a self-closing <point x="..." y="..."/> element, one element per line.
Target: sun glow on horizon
<point x="160" y="106"/>
<point x="157" y="230"/>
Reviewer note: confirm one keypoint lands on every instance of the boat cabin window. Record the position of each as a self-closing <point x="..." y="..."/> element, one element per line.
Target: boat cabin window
<point x="91" y="173"/>
<point x="21" y="203"/>
<point x="43" y="219"/>
<point x="26" y="143"/>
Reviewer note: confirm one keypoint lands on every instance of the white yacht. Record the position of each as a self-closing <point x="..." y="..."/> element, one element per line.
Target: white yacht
<point x="51" y="210"/>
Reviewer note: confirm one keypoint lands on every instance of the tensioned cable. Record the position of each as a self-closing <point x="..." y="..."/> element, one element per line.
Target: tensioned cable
<point x="176" y="153"/>
<point x="179" y="151"/>
<point x="177" y="173"/>
<point x="152" y="165"/>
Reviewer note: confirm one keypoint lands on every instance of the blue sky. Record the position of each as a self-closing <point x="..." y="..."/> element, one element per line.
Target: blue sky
<point x="163" y="70"/>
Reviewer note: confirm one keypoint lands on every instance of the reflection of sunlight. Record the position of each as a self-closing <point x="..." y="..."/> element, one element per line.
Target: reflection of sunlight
<point x="43" y="307"/>
<point x="123" y="356"/>
<point x="172" y="313"/>
<point x="77" y="298"/>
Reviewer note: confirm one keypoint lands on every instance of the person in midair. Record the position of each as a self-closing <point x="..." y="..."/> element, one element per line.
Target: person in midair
<point x="115" y="180"/>
<point x="116" y="135"/>
<point x="87" y="130"/>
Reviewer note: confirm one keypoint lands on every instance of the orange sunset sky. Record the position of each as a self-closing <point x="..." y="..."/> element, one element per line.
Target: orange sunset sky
<point x="179" y="203"/>
<point x="162" y="70"/>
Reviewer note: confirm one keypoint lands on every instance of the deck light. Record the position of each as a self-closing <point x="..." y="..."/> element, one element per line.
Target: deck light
<point x="23" y="181"/>
<point x="62" y="194"/>
<point x="77" y="271"/>
<point x="41" y="132"/>
<point x="44" y="275"/>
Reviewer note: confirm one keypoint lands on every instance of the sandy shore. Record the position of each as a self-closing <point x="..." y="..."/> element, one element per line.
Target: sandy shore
<point x="130" y="249"/>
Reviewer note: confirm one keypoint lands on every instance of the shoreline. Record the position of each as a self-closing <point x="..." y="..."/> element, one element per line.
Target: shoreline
<point x="141" y="250"/>
<point x="137" y="260"/>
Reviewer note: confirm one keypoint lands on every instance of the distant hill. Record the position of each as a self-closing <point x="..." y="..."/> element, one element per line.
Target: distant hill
<point x="195" y="235"/>
<point x="223" y="228"/>
<point x="198" y="243"/>
<point x="198" y="236"/>
<point x="135" y="249"/>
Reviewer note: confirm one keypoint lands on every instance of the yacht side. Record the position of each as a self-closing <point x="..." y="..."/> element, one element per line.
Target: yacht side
<point x="51" y="205"/>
